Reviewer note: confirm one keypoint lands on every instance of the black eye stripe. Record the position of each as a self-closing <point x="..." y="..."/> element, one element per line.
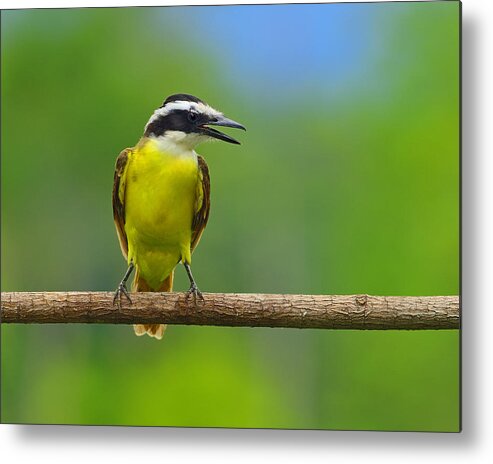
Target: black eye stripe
<point x="176" y="120"/>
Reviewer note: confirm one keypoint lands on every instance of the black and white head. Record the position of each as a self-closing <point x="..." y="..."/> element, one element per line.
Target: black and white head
<point x="185" y="120"/>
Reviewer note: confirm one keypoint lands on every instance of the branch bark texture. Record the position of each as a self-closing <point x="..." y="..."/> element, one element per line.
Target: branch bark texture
<point x="239" y="310"/>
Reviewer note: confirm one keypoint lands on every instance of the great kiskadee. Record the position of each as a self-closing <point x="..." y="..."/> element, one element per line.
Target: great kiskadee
<point x="161" y="197"/>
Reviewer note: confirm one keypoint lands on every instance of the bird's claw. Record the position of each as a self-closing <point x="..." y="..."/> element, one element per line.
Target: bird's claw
<point x="122" y="289"/>
<point x="194" y="290"/>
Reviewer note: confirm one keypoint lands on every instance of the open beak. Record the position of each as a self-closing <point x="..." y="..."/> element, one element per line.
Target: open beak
<point x="221" y="121"/>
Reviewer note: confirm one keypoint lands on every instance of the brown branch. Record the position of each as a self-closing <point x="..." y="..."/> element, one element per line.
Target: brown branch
<point x="231" y="309"/>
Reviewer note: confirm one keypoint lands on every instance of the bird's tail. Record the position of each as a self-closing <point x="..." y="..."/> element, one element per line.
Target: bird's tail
<point x="140" y="285"/>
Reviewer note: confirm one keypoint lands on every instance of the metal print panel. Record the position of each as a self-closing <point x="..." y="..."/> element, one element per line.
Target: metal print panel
<point x="324" y="291"/>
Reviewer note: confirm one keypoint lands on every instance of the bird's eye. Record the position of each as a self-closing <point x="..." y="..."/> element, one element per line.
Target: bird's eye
<point x="192" y="117"/>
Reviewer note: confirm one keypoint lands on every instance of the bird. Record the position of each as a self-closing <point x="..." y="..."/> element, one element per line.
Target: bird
<point x="161" y="197"/>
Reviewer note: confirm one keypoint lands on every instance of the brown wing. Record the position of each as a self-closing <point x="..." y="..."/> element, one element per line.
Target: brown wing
<point x="203" y="203"/>
<point x="119" y="199"/>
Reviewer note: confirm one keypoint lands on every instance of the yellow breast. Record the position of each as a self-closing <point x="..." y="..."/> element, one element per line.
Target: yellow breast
<point x="160" y="198"/>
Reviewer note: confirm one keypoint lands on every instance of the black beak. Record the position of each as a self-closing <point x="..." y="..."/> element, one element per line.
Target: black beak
<point x="221" y="121"/>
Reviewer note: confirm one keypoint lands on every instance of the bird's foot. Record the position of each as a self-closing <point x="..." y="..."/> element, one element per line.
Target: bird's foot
<point x="121" y="290"/>
<point x="194" y="290"/>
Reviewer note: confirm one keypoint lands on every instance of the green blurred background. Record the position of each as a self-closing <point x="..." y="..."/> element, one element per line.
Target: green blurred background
<point x="346" y="182"/>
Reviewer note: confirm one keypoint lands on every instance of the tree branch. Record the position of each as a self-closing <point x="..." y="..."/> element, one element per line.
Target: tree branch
<point x="231" y="309"/>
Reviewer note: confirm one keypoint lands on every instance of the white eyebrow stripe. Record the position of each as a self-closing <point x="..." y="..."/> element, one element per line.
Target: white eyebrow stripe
<point x="182" y="105"/>
<point x="178" y="105"/>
